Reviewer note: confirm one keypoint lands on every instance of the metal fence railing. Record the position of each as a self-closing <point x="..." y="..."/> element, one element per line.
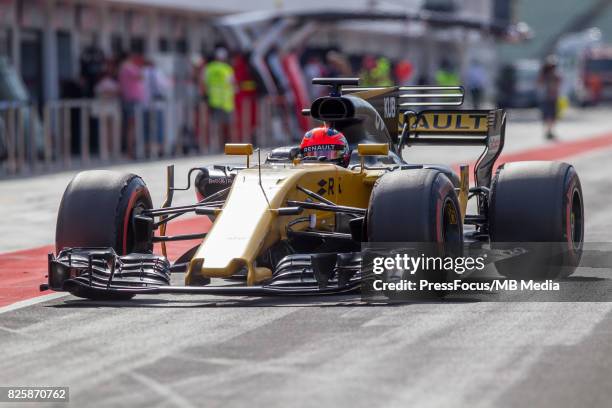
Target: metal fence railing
<point x="68" y="134"/>
<point x="20" y="136"/>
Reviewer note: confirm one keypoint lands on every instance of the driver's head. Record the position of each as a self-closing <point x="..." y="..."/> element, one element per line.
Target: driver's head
<point x="326" y="143"/>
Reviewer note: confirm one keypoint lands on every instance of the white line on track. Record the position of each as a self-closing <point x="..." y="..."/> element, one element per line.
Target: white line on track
<point x="13" y="331"/>
<point x="32" y="301"/>
<point x="162" y="391"/>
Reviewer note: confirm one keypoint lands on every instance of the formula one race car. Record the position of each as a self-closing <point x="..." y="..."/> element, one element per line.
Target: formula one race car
<point x="294" y="225"/>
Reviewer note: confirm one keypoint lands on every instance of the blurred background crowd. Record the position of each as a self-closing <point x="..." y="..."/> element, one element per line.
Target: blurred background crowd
<point x="89" y="81"/>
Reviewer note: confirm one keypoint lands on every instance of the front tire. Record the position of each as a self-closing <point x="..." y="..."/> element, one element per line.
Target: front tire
<point x="419" y="207"/>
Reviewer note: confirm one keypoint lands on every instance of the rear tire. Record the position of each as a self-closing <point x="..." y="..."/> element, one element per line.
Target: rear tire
<point x="539" y="203"/>
<point x="420" y="207"/>
<point x="97" y="210"/>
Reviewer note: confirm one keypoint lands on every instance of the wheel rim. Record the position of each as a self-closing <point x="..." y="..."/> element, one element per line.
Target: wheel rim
<point x="451" y="229"/>
<point x="576" y="220"/>
<point x="139" y="206"/>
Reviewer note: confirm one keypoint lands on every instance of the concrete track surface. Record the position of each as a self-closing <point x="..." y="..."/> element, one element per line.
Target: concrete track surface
<point x="172" y="351"/>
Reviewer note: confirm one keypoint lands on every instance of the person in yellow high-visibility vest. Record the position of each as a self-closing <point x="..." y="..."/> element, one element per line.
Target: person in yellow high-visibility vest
<point x="382" y="72"/>
<point x="446" y="75"/>
<point x="220" y="87"/>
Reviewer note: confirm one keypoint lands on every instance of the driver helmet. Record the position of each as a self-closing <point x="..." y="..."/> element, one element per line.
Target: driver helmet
<point x="326" y="143"/>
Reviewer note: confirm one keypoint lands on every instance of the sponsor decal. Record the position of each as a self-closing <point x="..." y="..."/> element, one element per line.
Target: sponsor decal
<point x="219" y="180"/>
<point x="317" y="148"/>
<point x="450" y="122"/>
<point x="327" y="186"/>
<point x="379" y="123"/>
<point x="389" y="107"/>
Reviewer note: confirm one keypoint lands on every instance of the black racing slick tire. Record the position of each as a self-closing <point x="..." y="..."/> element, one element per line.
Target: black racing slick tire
<point x="97" y="210"/>
<point x="419" y="207"/>
<point x="539" y="206"/>
<point x="411" y="206"/>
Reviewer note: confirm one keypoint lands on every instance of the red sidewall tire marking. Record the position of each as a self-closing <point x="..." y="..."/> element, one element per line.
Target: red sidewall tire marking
<point x="126" y="218"/>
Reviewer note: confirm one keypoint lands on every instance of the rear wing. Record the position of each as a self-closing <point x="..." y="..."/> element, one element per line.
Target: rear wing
<point x="440" y="125"/>
<point x="459" y="128"/>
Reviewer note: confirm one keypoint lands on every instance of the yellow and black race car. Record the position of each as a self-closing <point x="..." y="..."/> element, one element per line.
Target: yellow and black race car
<point x="296" y="226"/>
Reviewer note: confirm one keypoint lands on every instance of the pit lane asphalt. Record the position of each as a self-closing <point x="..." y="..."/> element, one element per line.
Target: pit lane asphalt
<point x="205" y="351"/>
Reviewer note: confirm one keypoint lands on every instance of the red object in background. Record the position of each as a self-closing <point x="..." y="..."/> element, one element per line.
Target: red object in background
<point x="368" y="63"/>
<point x="403" y="71"/>
<point x="297" y="82"/>
<point x="198" y="70"/>
<point x="246" y="100"/>
<point x="594" y="86"/>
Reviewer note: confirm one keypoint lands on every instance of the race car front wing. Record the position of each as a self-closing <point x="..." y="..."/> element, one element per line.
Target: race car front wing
<point x="100" y="272"/>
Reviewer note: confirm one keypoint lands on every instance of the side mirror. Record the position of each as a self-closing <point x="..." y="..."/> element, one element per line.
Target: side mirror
<point x="239" y="149"/>
<point x="373" y="149"/>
